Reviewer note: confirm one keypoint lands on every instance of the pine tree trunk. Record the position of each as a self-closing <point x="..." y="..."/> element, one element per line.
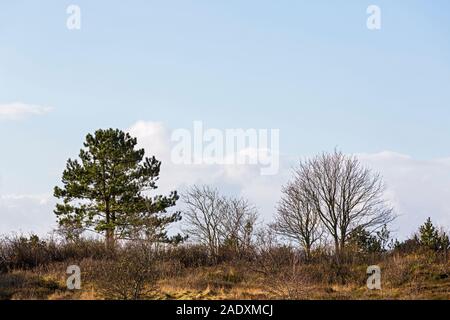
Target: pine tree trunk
<point x="109" y="231"/>
<point x="110" y="241"/>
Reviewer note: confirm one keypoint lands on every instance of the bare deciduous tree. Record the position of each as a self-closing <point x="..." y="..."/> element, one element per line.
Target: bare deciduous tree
<point x="204" y="214"/>
<point x="214" y="220"/>
<point x="297" y="219"/>
<point x="238" y="224"/>
<point x="345" y="194"/>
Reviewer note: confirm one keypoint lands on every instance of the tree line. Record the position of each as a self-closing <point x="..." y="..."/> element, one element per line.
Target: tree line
<point x="330" y="198"/>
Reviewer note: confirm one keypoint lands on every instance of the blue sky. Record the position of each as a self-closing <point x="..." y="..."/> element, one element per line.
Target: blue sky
<point x="310" y="68"/>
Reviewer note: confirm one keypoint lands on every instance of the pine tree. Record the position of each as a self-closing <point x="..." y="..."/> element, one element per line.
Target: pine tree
<point x="428" y="235"/>
<point x="106" y="191"/>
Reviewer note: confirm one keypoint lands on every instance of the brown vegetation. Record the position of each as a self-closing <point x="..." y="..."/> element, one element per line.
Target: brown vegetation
<point x="331" y="225"/>
<point x="35" y="269"/>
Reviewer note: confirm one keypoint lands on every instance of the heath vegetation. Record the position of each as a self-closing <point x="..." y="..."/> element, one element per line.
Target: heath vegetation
<point x="331" y="222"/>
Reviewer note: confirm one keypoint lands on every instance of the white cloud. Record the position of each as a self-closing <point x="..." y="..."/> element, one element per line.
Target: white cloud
<point x="244" y="180"/>
<point x="19" y="110"/>
<point x="30" y="213"/>
<point x="416" y="188"/>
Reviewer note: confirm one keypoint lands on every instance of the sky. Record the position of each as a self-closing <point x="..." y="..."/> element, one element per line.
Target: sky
<point x="311" y="69"/>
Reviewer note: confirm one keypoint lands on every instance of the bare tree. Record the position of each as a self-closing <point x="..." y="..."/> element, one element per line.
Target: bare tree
<point x="238" y="224"/>
<point x="345" y="194"/>
<point x="204" y="214"/>
<point x="297" y="219"/>
<point x="214" y="220"/>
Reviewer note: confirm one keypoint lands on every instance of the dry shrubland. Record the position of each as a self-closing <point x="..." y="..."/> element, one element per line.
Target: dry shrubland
<point x="32" y="268"/>
<point x="331" y="224"/>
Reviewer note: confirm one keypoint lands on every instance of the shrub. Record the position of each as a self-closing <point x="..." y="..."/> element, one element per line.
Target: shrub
<point x="189" y="256"/>
<point x="20" y="252"/>
<point x="132" y="275"/>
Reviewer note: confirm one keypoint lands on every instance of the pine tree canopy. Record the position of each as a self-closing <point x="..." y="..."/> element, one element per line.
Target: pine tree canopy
<point x="107" y="190"/>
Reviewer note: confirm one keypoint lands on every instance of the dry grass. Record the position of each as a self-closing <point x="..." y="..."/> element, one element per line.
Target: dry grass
<point x="407" y="277"/>
<point x="186" y="274"/>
